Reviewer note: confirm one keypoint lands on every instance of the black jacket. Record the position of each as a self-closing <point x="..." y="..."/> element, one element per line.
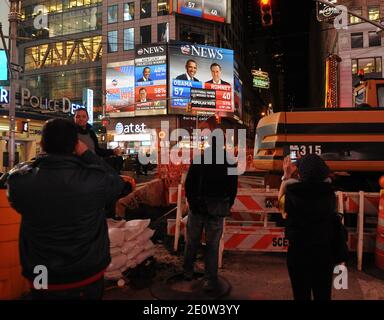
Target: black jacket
<point x="99" y="151"/>
<point x="211" y="180"/>
<point x="311" y="209"/>
<point x="63" y="227"/>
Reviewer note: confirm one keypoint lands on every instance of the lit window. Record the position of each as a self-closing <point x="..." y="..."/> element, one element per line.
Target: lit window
<point x="162" y="7"/>
<point x="162" y="32"/>
<point x="129" y="39"/>
<point x="112" y="41"/>
<point x="354" y="66"/>
<point x="129" y="11"/>
<point x="145" y="9"/>
<point x="112" y="13"/>
<point x="353" y="19"/>
<point x="374" y="13"/>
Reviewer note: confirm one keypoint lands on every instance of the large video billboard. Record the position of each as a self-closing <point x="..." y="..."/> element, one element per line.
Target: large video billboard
<point x="120" y="89"/>
<point x="201" y="76"/>
<point x="151" y="80"/>
<point x="215" y="10"/>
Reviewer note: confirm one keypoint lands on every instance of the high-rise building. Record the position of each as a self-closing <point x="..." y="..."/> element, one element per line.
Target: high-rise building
<point x="358" y="44"/>
<point x="133" y="25"/>
<point x="61" y="49"/>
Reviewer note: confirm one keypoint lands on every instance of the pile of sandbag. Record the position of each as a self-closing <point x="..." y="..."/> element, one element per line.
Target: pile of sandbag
<point x="130" y="245"/>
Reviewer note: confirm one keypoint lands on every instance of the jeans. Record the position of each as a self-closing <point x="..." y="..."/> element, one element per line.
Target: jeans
<point x="93" y="291"/>
<point x="213" y="227"/>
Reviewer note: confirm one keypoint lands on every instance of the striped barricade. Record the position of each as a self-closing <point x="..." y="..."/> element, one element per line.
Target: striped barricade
<point x="270" y="239"/>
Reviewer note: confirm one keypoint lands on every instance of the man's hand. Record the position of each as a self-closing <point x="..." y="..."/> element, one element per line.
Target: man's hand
<point x="288" y="167"/>
<point x="80" y="148"/>
<point x="117" y="151"/>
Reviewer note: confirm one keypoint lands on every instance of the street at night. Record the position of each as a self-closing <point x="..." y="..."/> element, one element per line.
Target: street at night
<point x="191" y="155"/>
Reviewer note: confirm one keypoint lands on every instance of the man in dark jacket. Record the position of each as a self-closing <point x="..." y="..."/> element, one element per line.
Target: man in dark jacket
<point x="61" y="197"/>
<point x="88" y="136"/>
<point x="207" y="182"/>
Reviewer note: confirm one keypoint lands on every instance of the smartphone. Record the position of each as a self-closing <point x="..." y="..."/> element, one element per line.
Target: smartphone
<point x="293" y="156"/>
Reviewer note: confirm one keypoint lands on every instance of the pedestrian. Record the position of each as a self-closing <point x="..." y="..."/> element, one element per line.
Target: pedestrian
<point x="310" y="204"/>
<point x="210" y="192"/>
<point x="61" y="197"/>
<point x="88" y="136"/>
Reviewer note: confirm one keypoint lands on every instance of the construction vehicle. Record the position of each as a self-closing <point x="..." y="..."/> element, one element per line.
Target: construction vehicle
<point x="350" y="140"/>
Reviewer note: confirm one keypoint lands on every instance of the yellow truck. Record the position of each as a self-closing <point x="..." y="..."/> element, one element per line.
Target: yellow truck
<point x="350" y="140"/>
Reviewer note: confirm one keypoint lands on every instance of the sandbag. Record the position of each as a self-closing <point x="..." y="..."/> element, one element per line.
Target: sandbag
<point x="134" y="227"/>
<point x="115" y="251"/>
<point x="144" y="255"/>
<point x="128" y="246"/>
<point x="115" y="223"/>
<point x="148" y="245"/>
<point x="117" y="262"/>
<point x="113" y="275"/>
<point x="134" y="252"/>
<point x="116" y="237"/>
<point x="143" y="237"/>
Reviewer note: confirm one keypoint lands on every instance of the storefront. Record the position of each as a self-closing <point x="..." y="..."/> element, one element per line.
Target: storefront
<point x="138" y="134"/>
<point x="29" y="127"/>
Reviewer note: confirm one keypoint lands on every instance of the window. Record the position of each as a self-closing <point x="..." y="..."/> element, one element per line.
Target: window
<point x="129" y="39"/>
<point x="145" y="35"/>
<point x="374" y="13"/>
<point x="369" y="65"/>
<point x="112" y="13"/>
<point x="352" y="19"/>
<point x="374" y="39"/>
<point x="129" y="11"/>
<point x="112" y="41"/>
<point x="145" y="9"/>
<point x="162" y="32"/>
<point x="357" y="40"/>
<point x="162" y="7"/>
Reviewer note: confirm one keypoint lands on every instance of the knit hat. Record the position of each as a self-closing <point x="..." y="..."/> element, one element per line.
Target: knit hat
<point x="312" y="168"/>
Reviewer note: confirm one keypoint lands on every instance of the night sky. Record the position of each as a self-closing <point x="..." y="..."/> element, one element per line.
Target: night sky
<point x="292" y="27"/>
<point x="283" y="49"/>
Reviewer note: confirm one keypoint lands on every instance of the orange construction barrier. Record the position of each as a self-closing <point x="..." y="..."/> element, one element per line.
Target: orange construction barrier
<point x="12" y="283"/>
<point x="379" y="252"/>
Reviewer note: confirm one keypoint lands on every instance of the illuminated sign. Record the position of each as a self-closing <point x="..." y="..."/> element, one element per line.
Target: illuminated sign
<point x="325" y="12"/>
<point x="201" y="76"/>
<point x="120" y="87"/>
<point x="3" y="66"/>
<point x="4" y="96"/>
<point x="121" y="128"/>
<point x="88" y="103"/>
<point x="215" y="10"/>
<point x="151" y="80"/>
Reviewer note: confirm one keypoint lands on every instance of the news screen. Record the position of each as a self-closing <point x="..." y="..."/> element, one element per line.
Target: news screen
<point x="120" y="88"/>
<point x="151" y="80"/>
<point x="201" y="76"/>
<point x="215" y="10"/>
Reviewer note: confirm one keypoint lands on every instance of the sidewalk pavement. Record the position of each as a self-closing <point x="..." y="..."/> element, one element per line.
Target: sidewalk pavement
<point x="252" y="276"/>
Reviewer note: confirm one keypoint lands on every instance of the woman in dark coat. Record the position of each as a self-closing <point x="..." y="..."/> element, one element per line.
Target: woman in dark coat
<point x="311" y="207"/>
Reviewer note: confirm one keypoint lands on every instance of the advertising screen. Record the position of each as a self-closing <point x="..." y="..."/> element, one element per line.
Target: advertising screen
<point x="151" y="80"/>
<point x="215" y="10"/>
<point x="3" y="66"/>
<point x="120" y="89"/>
<point x="200" y="77"/>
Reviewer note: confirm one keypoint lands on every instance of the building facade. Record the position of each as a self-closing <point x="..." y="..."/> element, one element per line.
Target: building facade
<point x="129" y="25"/>
<point x="359" y="46"/>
